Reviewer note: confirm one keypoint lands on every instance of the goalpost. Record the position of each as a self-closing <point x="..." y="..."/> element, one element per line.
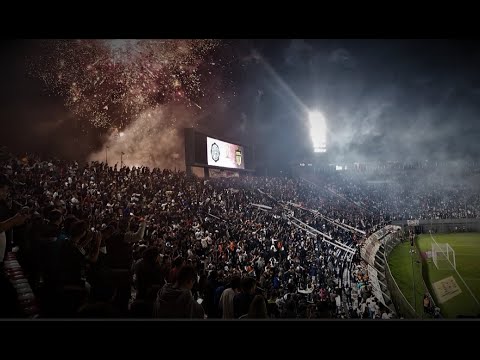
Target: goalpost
<point x="443" y="256"/>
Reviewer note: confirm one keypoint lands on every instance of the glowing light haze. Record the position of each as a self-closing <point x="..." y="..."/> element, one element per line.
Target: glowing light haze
<point x="318" y="131"/>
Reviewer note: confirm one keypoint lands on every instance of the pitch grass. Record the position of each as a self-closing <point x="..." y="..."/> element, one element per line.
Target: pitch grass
<point x="405" y="267"/>
<point x="467" y="254"/>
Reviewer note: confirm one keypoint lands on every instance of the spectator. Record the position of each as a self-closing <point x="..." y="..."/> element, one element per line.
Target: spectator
<point x="176" y="300"/>
<point x="426" y="304"/>
<point x="227" y="298"/>
<point x="242" y="301"/>
<point x="177" y="264"/>
<point x="258" y="308"/>
<point x="148" y="273"/>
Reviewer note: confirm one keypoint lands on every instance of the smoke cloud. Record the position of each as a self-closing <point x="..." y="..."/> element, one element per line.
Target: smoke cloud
<point x="154" y="139"/>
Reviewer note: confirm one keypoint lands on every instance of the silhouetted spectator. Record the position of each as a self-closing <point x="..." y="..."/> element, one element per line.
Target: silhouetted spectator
<point x="176" y="300"/>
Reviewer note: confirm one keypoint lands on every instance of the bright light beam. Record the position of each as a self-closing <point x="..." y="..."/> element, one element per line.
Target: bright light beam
<point x="318" y="131"/>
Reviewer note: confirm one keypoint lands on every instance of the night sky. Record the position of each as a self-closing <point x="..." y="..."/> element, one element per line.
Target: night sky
<point x="383" y="99"/>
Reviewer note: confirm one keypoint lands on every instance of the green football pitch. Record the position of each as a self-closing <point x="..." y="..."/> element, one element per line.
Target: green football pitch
<point x="406" y="269"/>
<point x="467" y="274"/>
<point x="408" y="273"/>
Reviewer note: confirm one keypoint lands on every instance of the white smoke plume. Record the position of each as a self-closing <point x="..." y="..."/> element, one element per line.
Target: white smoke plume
<point x="154" y="139"/>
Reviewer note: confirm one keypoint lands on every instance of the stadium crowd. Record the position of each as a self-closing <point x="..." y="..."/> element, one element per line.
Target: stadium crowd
<point x="99" y="241"/>
<point x="409" y="196"/>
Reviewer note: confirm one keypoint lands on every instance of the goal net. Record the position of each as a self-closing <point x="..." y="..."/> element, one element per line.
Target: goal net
<point x="443" y="256"/>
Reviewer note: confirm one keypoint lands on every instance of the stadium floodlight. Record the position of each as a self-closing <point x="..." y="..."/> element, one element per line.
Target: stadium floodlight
<point x="318" y="131"/>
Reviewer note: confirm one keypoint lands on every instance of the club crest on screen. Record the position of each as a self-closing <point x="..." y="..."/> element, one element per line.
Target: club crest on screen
<point x="238" y="157"/>
<point x="215" y="151"/>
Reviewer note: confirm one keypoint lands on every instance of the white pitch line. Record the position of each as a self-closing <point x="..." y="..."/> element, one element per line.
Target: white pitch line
<point x="463" y="245"/>
<point x="460" y="254"/>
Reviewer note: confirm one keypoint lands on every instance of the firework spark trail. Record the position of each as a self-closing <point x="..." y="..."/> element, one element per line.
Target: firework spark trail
<point x="111" y="82"/>
<point x="141" y="91"/>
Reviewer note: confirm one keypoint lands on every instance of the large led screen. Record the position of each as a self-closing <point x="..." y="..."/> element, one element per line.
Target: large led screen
<point x="223" y="154"/>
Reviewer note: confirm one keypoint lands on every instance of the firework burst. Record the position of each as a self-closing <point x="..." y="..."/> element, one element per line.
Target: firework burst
<point x="111" y="82"/>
